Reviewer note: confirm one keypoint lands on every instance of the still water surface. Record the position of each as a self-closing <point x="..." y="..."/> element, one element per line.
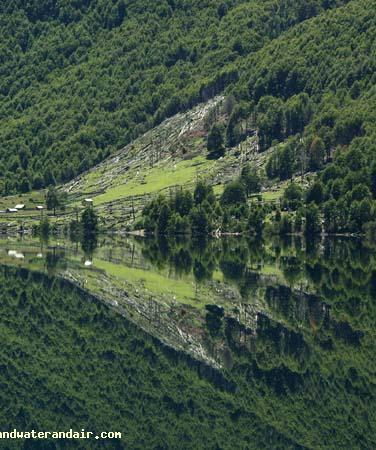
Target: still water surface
<point x="221" y="344"/>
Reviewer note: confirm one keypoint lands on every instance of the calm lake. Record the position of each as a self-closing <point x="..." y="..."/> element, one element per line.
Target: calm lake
<point x="221" y="344"/>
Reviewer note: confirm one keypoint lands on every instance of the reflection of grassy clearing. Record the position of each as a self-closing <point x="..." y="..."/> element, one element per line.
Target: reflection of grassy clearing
<point x="218" y="275"/>
<point x="268" y="269"/>
<point x="156" y="179"/>
<point x="151" y="281"/>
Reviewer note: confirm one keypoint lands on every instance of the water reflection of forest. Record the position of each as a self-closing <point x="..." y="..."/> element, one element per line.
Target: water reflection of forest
<point x="310" y="358"/>
<point x="301" y="376"/>
<point x="333" y="267"/>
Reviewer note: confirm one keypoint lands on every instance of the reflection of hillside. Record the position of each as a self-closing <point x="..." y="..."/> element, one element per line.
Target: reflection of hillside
<point x="69" y="362"/>
<point x="305" y="384"/>
<point x="322" y="292"/>
<point x="296" y="344"/>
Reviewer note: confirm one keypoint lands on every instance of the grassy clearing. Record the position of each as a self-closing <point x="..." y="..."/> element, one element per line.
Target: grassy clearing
<point x="30" y="200"/>
<point x="276" y="194"/>
<point x="272" y="196"/>
<point x="156" y="179"/>
<point x="218" y="189"/>
<point x="93" y="177"/>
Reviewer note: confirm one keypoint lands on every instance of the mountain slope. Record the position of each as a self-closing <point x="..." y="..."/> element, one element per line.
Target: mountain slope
<point x="325" y="66"/>
<point x="80" y="79"/>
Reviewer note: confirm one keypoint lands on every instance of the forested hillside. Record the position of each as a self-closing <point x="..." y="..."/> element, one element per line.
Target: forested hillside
<point x="315" y="89"/>
<point x="311" y="95"/>
<point x="79" y="79"/>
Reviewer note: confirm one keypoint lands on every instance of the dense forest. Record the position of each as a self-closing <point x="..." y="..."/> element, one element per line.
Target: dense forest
<point x="311" y="94"/>
<point x="302" y="379"/>
<point x="80" y="79"/>
<point x="79" y="363"/>
<point x="316" y="91"/>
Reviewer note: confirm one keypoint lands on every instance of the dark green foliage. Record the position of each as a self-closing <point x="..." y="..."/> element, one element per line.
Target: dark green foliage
<point x="282" y="162"/>
<point x="163" y="219"/>
<point x="199" y="222"/>
<point x="278" y="119"/>
<point x="80" y="79"/>
<point x="369" y="230"/>
<point x="183" y="202"/>
<point x="205" y="214"/>
<point x="316" y="154"/>
<point x="74" y="229"/>
<point x="250" y="179"/>
<point x="298" y="221"/>
<point x="52" y="199"/>
<point x="312" y="220"/>
<point x="214" y="320"/>
<point x="285" y="225"/>
<point x="44" y="227"/>
<point x="215" y="142"/>
<point x="270" y="120"/>
<point x="348" y="185"/>
<point x="331" y="216"/>
<point x="312" y="354"/>
<point x="24" y="185"/>
<point x="234" y="131"/>
<point x="203" y="192"/>
<point x="233" y="194"/>
<point x="89" y="222"/>
<point x="373" y="179"/>
<point x="177" y="225"/>
<point x="316" y="193"/>
<point x="229" y="105"/>
<point x="38" y="181"/>
<point x="292" y="196"/>
<point x="171" y="217"/>
<point x="90" y="358"/>
<point x="301" y="88"/>
<point x="256" y="219"/>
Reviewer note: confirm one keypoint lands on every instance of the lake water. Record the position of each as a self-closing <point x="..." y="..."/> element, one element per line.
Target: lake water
<point x="218" y="344"/>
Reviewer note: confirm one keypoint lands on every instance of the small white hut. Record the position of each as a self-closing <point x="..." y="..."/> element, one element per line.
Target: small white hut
<point x="88" y="202"/>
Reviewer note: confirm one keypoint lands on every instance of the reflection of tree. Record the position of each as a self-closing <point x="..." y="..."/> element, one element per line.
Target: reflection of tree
<point x="200" y="271"/>
<point x="308" y="382"/>
<point x="214" y="319"/>
<point x="234" y="262"/>
<point x="340" y="271"/>
<point x="292" y="268"/>
<point x="182" y="261"/>
<point x="54" y="259"/>
<point x="89" y="244"/>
